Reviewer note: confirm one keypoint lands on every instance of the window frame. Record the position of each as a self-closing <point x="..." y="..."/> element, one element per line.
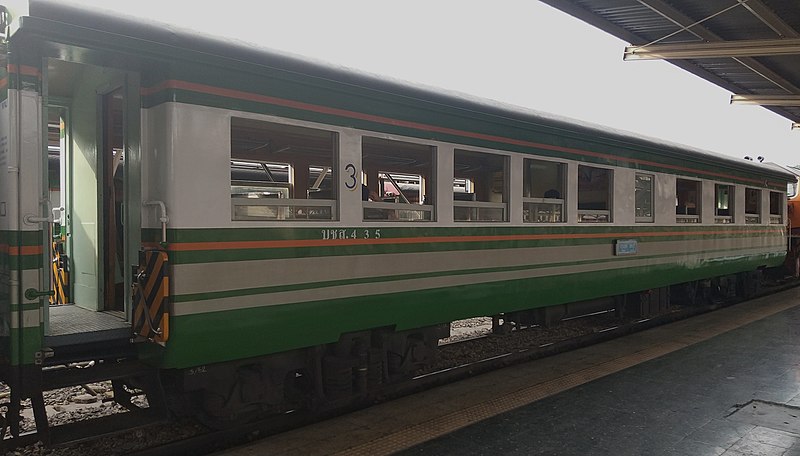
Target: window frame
<point x="776" y="218"/>
<point x="399" y="211"/>
<point x="752" y="217"/>
<point x="289" y="208"/>
<point x="608" y="213"/>
<point x="731" y="217"/>
<point x="689" y="218"/>
<point x="560" y="203"/>
<point x="652" y="217"/>
<point x="476" y="206"/>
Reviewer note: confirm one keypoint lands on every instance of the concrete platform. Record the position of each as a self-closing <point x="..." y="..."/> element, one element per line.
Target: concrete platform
<point x="724" y="383"/>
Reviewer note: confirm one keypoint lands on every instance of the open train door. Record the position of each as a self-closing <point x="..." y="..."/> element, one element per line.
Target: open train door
<point x="94" y="123"/>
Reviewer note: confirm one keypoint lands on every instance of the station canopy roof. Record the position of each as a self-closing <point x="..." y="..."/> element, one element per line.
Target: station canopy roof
<point x="749" y="47"/>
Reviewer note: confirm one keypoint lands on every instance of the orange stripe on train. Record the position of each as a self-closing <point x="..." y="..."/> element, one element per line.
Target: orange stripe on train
<point x="241" y="245"/>
<point x="26" y="70"/>
<point x="24" y="250"/>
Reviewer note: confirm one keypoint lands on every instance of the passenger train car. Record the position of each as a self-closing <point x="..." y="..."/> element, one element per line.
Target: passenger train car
<point x="237" y="231"/>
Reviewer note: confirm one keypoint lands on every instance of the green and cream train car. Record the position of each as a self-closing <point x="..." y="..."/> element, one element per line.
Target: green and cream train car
<point x="235" y="219"/>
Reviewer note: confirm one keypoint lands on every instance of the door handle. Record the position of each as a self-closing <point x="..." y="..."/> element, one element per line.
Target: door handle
<point x="33" y="293"/>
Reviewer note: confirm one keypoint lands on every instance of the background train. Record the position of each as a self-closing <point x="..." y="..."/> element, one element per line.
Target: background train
<point x="212" y="244"/>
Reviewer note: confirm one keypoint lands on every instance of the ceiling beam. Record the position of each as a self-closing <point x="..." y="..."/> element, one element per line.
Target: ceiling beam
<point x="668" y="12"/>
<point x="591" y="18"/>
<point x="717" y="49"/>
<point x="758" y="9"/>
<point x="766" y="100"/>
<point x="681" y="20"/>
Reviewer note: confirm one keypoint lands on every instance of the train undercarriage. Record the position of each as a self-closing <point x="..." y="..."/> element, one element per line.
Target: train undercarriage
<point x="350" y="370"/>
<point x="361" y="366"/>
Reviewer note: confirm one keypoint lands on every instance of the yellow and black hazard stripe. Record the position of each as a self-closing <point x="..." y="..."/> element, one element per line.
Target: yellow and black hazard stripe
<point x="151" y="296"/>
<point x="60" y="273"/>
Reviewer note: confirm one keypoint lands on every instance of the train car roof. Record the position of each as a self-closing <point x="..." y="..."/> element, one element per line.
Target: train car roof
<point x="174" y="42"/>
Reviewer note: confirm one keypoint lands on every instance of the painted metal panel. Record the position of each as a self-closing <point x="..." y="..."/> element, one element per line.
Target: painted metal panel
<point x="193" y="278"/>
<point x="376" y="290"/>
<point x="8" y="192"/>
<point x="255" y="329"/>
<point x="624" y="203"/>
<point x="350" y="211"/>
<point x="83" y="213"/>
<point x="31" y="318"/>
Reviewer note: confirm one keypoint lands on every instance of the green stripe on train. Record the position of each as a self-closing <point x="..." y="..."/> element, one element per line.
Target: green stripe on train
<point x="433" y="237"/>
<point x="606" y="263"/>
<point x="209" y="256"/>
<point x="25" y="262"/>
<point x="24" y="82"/>
<point x="421" y="230"/>
<point x="26" y="306"/>
<point x="25" y="343"/>
<point x="440" y="243"/>
<point x="233" y="334"/>
<point x="24" y="238"/>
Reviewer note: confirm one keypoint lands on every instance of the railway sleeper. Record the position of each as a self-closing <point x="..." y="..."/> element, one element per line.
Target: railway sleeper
<point x="126" y="376"/>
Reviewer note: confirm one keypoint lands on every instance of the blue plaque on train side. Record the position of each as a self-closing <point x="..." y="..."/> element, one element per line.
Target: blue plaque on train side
<point x="626" y="247"/>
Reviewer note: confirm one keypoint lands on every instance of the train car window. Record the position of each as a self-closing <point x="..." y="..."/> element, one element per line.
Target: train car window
<point x="776" y="206"/>
<point x="752" y="205"/>
<point x="687" y="201"/>
<point x="282" y="172"/>
<point x="398" y="182"/>
<point x="644" y="197"/>
<point x="484" y="194"/>
<point x="595" y="187"/>
<point x="724" y="198"/>
<point x="543" y="192"/>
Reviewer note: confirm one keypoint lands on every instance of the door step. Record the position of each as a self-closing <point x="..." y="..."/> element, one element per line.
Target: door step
<point x="115" y="349"/>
